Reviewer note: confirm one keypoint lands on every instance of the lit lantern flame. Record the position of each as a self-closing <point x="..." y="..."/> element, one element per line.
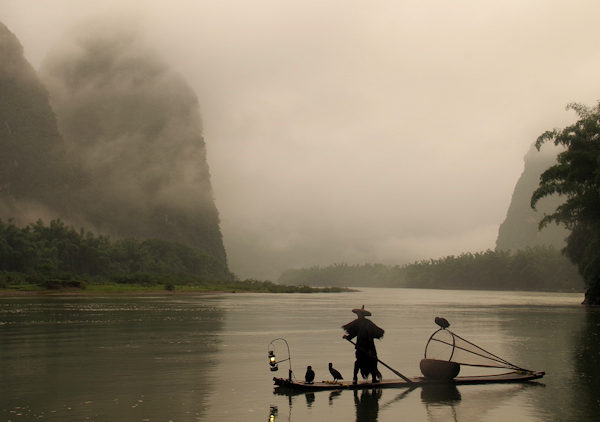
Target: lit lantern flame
<point x="273" y="361"/>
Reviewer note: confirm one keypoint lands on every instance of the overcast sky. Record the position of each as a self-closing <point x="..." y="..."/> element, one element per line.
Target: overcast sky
<point x="355" y="131"/>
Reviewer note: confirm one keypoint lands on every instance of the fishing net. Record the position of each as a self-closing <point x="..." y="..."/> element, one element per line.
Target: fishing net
<point x="446" y="345"/>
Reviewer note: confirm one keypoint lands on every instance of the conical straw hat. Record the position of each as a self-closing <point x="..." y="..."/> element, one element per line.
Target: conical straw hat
<point x="362" y="311"/>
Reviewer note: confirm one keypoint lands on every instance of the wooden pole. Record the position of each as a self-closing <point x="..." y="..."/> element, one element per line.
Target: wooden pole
<point x="408" y="380"/>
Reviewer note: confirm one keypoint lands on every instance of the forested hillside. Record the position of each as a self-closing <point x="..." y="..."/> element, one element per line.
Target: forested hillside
<point x="135" y="127"/>
<point x="539" y="268"/>
<point x="114" y="146"/>
<point x="58" y="251"/>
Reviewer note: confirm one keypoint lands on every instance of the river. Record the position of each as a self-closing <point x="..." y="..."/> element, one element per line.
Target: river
<point x="204" y="357"/>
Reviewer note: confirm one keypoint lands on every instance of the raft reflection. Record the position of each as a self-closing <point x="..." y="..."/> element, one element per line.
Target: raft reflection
<point x="441" y="403"/>
<point x="447" y="403"/>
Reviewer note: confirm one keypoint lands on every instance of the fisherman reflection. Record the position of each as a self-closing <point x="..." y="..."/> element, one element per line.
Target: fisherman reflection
<point x="365" y="332"/>
<point x="367" y="406"/>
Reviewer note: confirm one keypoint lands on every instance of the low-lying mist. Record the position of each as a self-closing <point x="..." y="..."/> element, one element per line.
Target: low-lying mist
<point x="133" y="126"/>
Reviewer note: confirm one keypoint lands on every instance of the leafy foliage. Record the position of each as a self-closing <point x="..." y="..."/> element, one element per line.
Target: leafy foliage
<point x="340" y="275"/>
<point x="576" y="176"/>
<point x="56" y="256"/>
<point x="538" y="268"/>
<point x="59" y="252"/>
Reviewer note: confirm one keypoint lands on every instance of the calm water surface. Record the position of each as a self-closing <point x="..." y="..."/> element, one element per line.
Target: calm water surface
<point x="203" y="358"/>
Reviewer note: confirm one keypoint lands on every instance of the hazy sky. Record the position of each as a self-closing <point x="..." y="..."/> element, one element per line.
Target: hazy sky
<point x="355" y="131"/>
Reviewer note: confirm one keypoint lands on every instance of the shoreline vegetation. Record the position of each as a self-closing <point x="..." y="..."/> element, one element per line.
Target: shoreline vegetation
<point x="101" y="288"/>
<point x="541" y="268"/>
<point x="55" y="258"/>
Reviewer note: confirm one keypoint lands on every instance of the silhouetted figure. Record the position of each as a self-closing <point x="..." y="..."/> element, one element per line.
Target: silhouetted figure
<point x="335" y="373"/>
<point x="365" y="332"/>
<point x="309" y="377"/>
<point x="442" y="322"/>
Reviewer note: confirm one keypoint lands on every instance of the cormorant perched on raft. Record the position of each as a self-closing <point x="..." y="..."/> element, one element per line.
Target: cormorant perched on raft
<point x="335" y="373"/>
<point x="310" y="375"/>
<point x="442" y="322"/>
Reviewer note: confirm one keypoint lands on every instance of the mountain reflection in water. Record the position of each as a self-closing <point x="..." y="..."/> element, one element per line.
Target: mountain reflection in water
<point x="134" y="358"/>
<point x="587" y="366"/>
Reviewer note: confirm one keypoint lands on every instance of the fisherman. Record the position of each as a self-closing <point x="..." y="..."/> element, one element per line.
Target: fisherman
<point x="365" y="332"/>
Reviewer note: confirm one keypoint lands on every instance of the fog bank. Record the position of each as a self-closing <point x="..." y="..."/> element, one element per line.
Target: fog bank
<point x="350" y="131"/>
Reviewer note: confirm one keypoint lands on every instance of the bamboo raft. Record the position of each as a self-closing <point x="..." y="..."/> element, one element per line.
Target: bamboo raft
<point x="436" y="371"/>
<point x="508" y="377"/>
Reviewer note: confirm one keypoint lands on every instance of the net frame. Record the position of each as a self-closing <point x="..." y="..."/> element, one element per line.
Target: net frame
<point x="480" y="351"/>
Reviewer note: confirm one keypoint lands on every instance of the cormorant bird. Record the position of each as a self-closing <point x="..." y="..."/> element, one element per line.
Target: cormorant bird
<point x="442" y="322"/>
<point x="310" y="375"/>
<point x="334" y="373"/>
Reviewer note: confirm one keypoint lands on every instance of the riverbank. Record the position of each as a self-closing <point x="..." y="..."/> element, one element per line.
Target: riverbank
<point x="246" y="286"/>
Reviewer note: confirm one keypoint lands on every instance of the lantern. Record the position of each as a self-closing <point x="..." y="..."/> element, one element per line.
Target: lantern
<point x="273" y="361"/>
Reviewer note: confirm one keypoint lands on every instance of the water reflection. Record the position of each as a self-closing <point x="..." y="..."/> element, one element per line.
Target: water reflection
<point x="367" y="405"/>
<point x="587" y="370"/>
<point x="399" y="397"/>
<point x="447" y="403"/>
<point x="107" y="359"/>
<point x="443" y="394"/>
<point x="310" y="399"/>
<point x="366" y="402"/>
<point x="273" y="412"/>
<point x="564" y="342"/>
<point x="333" y="395"/>
<point x="203" y="358"/>
<point x="440" y="403"/>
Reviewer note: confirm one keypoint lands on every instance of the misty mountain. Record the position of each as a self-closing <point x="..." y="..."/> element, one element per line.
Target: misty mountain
<point x="134" y="127"/>
<point x="520" y="227"/>
<point x="33" y="172"/>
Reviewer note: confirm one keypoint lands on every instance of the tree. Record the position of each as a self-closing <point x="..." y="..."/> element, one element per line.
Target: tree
<point x="576" y="177"/>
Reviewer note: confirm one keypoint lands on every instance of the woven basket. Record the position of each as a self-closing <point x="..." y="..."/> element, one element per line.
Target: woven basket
<point x="439" y="369"/>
